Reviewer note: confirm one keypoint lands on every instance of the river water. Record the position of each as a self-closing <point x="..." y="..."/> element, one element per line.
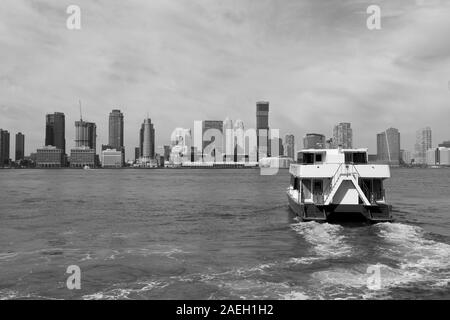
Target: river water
<point x="213" y="234"/>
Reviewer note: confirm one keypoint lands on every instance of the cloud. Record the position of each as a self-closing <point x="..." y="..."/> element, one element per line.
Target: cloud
<point x="181" y="61"/>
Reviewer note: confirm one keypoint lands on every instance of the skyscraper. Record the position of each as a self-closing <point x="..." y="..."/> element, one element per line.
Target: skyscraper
<point x="228" y="140"/>
<point x="388" y="146"/>
<point x="423" y="143"/>
<point x="115" y="140"/>
<point x="4" y="147"/>
<point x="55" y="131"/>
<point x="85" y="134"/>
<point x="239" y="141"/>
<point x="314" y="141"/>
<point x="343" y="135"/>
<point x="20" y="146"/>
<point x="148" y="140"/>
<point x="211" y="129"/>
<point x="289" y="146"/>
<point x="262" y="129"/>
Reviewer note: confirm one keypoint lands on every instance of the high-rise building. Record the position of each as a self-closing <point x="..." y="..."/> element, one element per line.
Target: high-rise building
<point x="147" y="135"/>
<point x="212" y="130"/>
<point x="137" y="154"/>
<point x="4" y="147"/>
<point x="85" y="134"/>
<point x="445" y="144"/>
<point x="314" y="141"/>
<point x="405" y="156"/>
<point x="20" y="146"/>
<point x="180" y="147"/>
<point x="228" y="140"/>
<point x="239" y="141"/>
<point x="289" y="146"/>
<point x="55" y="131"/>
<point x="262" y="130"/>
<point x="388" y="146"/>
<point x="343" y="135"/>
<point x="167" y="150"/>
<point x="423" y="143"/>
<point x="116" y="132"/>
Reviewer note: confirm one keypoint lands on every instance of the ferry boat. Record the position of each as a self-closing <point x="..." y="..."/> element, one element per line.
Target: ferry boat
<point x="338" y="184"/>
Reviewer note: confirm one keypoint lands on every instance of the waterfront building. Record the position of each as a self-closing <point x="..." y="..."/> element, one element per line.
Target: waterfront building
<point x="212" y="137"/>
<point x="4" y="148"/>
<point x="314" y="141"/>
<point x="262" y="130"/>
<point x="388" y="146"/>
<point x="147" y="136"/>
<point x="137" y="154"/>
<point x="239" y="141"/>
<point x="20" y="146"/>
<point x="281" y="162"/>
<point x="343" y="136"/>
<point x="55" y="131"/>
<point x="85" y="134"/>
<point x="228" y="140"/>
<point x="50" y="157"/>
<point x="82" y="156"/>
<point x="112" y="158"/>
<point x="167" y="151"/>
<point x="180" y="143"/>
<point x="116" y="129"/>
<point x="438" y="156"/>
<point x="405" y="156"/>
<point x="423" y="143"/>
<point x="289" y="146"/>
<point x="445" y="144"/>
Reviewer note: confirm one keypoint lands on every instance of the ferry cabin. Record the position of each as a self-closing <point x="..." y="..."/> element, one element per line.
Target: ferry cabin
<point x="328" y="184"/>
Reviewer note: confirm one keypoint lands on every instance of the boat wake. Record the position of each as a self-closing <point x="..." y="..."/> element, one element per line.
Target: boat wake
<point x="326" y="239"/>
<point x="425" y="260"/>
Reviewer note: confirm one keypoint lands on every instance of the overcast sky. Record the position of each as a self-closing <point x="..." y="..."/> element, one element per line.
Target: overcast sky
<point x="185" y="60"/>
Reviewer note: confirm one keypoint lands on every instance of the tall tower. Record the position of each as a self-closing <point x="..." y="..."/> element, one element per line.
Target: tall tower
<point x="343" y="135"/>
<point x="239" y="141"/>
<point x="20" y="146"/>
<point x="289" y="146"/>
<point x="262" y="129"/>
<point x="85" y="134"/>
<point x="4" y="147"/>
<point x="148" y="140"/>
<point x="388" y="146"/>
<point x="423" y="143"/>
<point x="228" y="140"/>
<point x="116" y="130"/>
<point x="55" y="131"/>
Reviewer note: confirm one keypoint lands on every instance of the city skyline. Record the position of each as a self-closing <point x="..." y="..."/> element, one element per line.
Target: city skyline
<point x="193" y="61"/>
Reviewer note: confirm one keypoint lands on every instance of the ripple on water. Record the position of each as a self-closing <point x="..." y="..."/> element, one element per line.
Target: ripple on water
<point x="327" y="240"/>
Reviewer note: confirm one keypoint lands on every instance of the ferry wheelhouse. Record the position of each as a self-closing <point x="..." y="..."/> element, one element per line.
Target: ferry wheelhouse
<point x="338" y="184"/>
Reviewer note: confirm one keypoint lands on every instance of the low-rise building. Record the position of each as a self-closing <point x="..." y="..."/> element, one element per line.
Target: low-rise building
<point x="112" y="158"/>
<point x="50" y="157"/>
<point x="81" y="157"/>
<point x="438" y="156"/>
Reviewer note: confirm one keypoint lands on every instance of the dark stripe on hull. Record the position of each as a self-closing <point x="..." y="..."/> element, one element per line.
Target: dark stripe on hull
<point x="342" y="212"/>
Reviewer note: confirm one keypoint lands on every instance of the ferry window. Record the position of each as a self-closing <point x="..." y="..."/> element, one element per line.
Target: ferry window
<point x="359" y="157"/>
<point x="308" y="158"/>
<point x="348" y="157"/>
<point x="306" y="190"/>
<point x="318" y="157"/>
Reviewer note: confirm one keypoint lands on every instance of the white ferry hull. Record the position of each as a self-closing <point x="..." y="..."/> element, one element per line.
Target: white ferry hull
<point x="341" y="212"/>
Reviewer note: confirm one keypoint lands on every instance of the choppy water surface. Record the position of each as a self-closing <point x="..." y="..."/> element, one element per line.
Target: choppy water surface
<point x="213" y="234"/>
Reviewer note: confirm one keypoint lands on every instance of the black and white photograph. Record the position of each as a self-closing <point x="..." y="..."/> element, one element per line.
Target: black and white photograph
<point x="249" y="151"/>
